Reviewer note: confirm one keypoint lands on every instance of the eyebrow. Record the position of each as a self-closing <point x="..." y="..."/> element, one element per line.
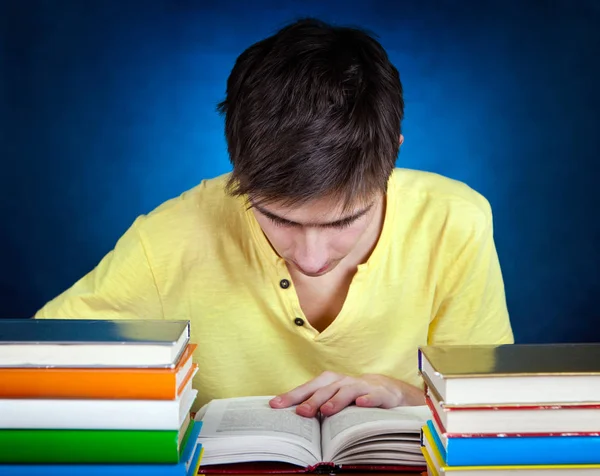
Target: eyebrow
<point x="332" y="224"/>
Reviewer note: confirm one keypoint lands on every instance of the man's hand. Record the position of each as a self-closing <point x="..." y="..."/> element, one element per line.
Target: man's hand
<point x="331" y="392"/>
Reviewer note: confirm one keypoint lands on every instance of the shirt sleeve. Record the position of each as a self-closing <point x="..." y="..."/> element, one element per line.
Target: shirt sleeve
<point x="121" y="286"/>
<point x="473" y="307"/>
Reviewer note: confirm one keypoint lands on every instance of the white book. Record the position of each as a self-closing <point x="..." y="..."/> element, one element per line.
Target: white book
<point x="92" y="343"/>
<point x="91" y="414"/>
<point x="247" y="429"/>
<point x="516" y="419"/>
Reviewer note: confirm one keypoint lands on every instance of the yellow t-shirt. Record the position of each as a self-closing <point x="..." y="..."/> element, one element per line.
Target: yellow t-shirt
<point x="433" y="277"/>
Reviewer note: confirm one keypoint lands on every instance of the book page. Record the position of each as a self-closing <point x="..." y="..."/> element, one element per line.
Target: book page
<point x="355" y="423"/>
<point x="251" y="423"/>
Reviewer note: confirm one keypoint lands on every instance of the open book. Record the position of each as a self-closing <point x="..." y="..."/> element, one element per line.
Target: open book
<point x="248" y="430"/>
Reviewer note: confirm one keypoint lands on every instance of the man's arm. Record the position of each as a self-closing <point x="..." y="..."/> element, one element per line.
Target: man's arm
<point x="122" y="286"/>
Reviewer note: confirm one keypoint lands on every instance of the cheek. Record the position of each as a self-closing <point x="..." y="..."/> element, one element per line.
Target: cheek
<point x="344" y="240"/>
<point x="280" y="238"/>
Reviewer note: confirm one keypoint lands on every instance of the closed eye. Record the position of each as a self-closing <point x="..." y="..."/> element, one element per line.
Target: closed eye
<point x="281" y="222"/>
<point x="342" y="224"/>
<point x="285" y="223"/>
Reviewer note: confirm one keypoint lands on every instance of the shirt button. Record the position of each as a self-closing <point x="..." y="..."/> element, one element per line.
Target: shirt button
<point x="284" y="283"/>
<point x="298" y="321"/>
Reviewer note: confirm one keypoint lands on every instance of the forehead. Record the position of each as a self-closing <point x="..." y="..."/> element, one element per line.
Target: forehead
<point x="318" y="211"/>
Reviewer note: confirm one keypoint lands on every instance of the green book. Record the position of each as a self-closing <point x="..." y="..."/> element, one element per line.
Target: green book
<point x="93" y="446"/>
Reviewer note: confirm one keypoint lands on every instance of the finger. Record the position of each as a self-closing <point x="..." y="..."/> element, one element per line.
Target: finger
<point x="304" y="391"/>
<point x="311" y="406"/>
<point x="345" y="396"/>
<point x="377" y="397"/>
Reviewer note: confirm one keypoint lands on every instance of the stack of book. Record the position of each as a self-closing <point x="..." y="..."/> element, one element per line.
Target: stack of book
<point x="512" y="409"/>
<point x="97" y="397"/>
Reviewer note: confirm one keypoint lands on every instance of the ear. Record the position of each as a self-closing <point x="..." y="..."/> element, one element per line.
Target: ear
<point x="401" y="140"/>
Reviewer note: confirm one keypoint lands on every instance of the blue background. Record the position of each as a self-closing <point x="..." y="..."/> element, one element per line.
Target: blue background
<point x="108" y="109"/>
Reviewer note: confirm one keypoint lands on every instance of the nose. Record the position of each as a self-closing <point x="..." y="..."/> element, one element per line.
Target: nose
<point x="310" y="253"/>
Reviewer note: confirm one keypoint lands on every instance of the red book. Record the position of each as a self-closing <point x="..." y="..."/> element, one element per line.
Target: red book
<point x="513" y="420"/>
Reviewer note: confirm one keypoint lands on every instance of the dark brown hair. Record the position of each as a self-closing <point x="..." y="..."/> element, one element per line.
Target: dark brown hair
<point x="313" y="111"/>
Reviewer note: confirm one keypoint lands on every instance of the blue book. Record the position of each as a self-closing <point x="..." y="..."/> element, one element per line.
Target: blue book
<point x="521" y="450"/>
<point x="187" y="466"/>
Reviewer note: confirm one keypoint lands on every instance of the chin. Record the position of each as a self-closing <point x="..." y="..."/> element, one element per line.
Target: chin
<point x="327" y="269"/>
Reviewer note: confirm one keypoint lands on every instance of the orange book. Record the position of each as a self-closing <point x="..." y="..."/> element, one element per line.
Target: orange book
<point x="99" y="383"/>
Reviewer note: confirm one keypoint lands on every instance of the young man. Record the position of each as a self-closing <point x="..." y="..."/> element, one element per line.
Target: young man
<point x="316" y="268"/>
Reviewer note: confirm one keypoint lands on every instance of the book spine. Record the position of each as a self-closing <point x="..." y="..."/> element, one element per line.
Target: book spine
<point x="323" y="468"/>
<point x="434" y="413"/>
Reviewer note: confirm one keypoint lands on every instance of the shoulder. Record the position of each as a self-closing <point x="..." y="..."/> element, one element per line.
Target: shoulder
<point x="209" y="197"/>
<point x="196" y="212"/>
<point x="435" y="194"/>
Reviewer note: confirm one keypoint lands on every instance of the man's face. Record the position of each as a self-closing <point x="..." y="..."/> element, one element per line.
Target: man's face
<point x="314" y="238"/>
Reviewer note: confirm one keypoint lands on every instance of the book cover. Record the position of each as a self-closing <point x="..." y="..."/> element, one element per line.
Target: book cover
<point x="92" y="343"/>
<point x="99" y="383"/>
<point x="516" y="450"/>
<point x="437" y="465"/>
<point x="540" y="420"/>
<point x="94" y="446"/>
<point x="187" y="466"/>
<point x="95" y="414"/>
<point x="512" y="374"/>
<point x="460" y="361"/>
